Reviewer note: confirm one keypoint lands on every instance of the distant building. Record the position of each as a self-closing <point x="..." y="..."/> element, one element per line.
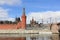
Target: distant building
<point x="33" y="23"/>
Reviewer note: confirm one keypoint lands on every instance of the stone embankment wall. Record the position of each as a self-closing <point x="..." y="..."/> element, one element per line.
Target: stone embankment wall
<point x="54" y="28"/>
<point x="26" y="31"/>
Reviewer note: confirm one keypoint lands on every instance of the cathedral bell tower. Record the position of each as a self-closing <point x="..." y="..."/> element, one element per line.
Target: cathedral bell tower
<point x="23" y="22"/>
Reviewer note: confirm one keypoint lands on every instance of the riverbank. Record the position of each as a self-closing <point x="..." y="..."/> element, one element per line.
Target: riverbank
<point x="22" y="31"/>
<point x="27" y="31"/>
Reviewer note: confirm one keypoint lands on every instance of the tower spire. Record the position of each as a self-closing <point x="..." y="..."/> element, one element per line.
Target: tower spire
<point x="23" y="11"/>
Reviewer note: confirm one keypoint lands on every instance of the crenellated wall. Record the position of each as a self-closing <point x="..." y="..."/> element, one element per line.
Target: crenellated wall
<point x="7" y="26"/>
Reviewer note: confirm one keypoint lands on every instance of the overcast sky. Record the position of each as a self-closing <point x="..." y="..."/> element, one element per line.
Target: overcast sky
<point x="38" y="9"/>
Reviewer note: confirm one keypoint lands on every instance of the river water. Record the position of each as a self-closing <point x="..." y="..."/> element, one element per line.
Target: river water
<point x="29" y="37"/>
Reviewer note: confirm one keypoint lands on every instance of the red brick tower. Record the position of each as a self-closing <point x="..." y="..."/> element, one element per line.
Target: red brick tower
<point x="23" y="22"/>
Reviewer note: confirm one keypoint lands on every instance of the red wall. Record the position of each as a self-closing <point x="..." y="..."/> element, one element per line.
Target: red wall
<point x="7" y="26"/>
<point x="11" y="26"/>
<point x="18" y="26"/>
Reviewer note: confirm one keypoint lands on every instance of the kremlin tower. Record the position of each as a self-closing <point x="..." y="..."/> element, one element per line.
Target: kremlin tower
<point x="23" y="22"/>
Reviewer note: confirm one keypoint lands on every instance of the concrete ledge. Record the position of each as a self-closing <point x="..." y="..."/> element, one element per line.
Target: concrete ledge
<point x="26" y="31"/>
<point x="45" y="32"/>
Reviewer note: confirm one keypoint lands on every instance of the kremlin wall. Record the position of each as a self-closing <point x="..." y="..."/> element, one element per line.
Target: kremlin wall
<point x="21" y="24"/>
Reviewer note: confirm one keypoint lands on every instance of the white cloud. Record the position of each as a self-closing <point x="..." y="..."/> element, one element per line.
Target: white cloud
<point x="44" y="15"/>
<point x="10" y="2"/>
<point x="4" y="15"/>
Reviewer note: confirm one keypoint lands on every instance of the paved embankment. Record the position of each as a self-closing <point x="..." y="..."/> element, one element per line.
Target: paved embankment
<point x="27" y="31"/>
